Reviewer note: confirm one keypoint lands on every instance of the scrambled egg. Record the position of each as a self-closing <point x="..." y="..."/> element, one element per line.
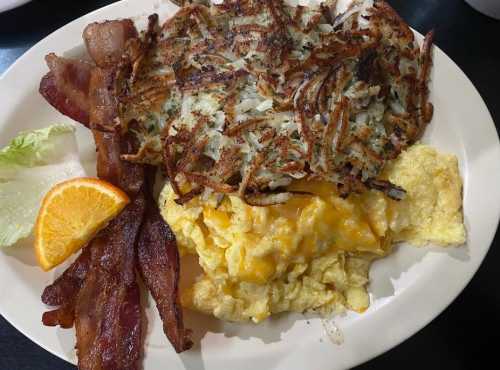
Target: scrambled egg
<point x="315" y="251"/>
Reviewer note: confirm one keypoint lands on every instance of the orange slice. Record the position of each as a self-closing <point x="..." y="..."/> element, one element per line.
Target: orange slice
<point x="71" y="214"/>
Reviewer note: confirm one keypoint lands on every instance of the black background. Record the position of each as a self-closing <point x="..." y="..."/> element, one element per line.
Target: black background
<point x="466" y="335"/>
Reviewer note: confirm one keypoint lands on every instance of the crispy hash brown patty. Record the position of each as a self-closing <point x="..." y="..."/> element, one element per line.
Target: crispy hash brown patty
<point x="247" y="95"/>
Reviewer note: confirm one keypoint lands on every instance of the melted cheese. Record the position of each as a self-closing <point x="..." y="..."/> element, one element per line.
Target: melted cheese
<point x="313" y="252"/>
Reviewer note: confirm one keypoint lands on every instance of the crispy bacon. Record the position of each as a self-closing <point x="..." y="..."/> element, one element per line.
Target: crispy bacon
<point x="99" y="291"/>
<point x="109" y="142"/>
<point x="63" y="316"/>
<point x="66" y="87"/>
<point x="159" y="265"/>
<point x="106" y="41"/>
<point x="67" y="285"/>
<point x="63" y="292"/>
<point x="102" y="100"/>
<point x="108" y="313"/>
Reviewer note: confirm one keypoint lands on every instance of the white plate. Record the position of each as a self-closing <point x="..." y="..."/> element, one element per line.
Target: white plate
<point x="11" y="4"/>
<point x="408" y="289"/>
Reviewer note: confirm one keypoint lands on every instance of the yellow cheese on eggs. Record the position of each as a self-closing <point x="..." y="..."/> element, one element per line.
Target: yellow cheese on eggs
<point x="313" y="252"/>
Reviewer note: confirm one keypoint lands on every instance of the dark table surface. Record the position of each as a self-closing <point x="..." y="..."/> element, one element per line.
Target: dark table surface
<point x="466" y="335"/>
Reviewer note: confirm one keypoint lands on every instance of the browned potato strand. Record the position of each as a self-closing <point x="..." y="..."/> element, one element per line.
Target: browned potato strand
<point x="248" y="95"/>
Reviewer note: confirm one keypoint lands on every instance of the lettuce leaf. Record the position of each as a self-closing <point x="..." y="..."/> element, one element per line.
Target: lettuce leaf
<point x="30" y="165"/>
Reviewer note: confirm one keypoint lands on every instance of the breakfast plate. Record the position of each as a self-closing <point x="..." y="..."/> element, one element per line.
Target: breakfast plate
<point x="407" y="290"/>
<point x="11" y="4"/>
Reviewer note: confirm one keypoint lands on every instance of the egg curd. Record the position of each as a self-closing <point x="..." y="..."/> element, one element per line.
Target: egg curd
<point x="315" y="251"/>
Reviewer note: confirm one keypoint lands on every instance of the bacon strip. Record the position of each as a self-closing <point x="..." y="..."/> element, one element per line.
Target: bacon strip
<point x="106" y="41"/>
<point x="108" y="313"/>
<point x="63" y="292"/>
<point x="159" y="265"/>
<point x="110" y="144"/>
<point x="63" y="316"/>
<point x="99" y="291"/>
<point x="103" y="298"/>
<point x="69" y="282"/>
<point x="66" y="87"/>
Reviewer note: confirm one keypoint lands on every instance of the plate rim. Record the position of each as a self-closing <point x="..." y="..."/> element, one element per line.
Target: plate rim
<point x="12" y="4"/>
<point x="416" y="327"/>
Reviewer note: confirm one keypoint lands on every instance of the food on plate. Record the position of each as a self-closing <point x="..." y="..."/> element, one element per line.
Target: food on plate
<point x="30" y="165"/>
<point x="314" y="251"/>
<point x="107" y="313"/>
<point x="159" y="266"/>
<point x="71" y="214"/>
<point x="432" y="211"/>
<point x="248" y="97"/>
<point x="99" y="293"/>
<point x="288" y="142"/>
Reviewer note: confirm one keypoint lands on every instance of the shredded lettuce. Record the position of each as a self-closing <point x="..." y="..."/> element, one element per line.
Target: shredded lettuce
<point x="30" y="165"/>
